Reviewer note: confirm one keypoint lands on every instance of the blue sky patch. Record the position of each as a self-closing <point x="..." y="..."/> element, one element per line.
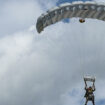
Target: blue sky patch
<point x="63" y="1"/>
<point x="66" y="20"/>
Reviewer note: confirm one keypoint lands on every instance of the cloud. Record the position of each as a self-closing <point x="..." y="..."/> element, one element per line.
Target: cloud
<point x="43" y="69"/>
<point x="99" y="0"/>
<point x="49" y="68"/>
<point x="18" y="15"/>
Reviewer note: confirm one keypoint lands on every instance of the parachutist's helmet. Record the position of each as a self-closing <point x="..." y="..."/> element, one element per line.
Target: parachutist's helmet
<point x="90" y="87"/>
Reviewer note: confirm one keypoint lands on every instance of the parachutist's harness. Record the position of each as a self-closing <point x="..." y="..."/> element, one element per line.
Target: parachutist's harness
<point x="89" y="93"/>
<point x="89" y="90"/>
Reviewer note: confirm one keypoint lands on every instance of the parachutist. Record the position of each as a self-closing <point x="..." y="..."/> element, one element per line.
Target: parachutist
<point x="81" y="20"/>
<point x="89" y="95"/>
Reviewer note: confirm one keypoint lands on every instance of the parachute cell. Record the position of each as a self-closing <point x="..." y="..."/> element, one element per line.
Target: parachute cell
<point x="68" y="10"/>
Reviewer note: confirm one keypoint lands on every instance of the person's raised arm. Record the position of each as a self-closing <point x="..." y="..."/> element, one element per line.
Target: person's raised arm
<point x="94" y="87"/>
<point x="85" y="85"/>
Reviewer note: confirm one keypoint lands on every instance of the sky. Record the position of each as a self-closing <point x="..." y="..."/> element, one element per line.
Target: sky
<point x="48" y="68"/>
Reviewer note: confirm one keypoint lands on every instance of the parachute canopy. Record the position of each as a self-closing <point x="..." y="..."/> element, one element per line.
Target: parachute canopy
<point x="68" y="10"/>
<point x="89" y="78"/>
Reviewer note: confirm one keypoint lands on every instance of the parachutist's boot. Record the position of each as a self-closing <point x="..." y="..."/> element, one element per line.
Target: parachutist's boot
<point x="93" y="102"/>
<point x="86" y="103"/>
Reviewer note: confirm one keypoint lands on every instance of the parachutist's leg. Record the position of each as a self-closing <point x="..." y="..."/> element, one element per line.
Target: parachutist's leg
<point x="86" y="101"/>
<point x="93" y="101"/>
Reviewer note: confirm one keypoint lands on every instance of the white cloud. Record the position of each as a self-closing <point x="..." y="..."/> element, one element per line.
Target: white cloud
<point x="48" y="69"/>
<point x="99" y="0"/>
<point x="18" y="15"/>
<point x="42" y="69"/>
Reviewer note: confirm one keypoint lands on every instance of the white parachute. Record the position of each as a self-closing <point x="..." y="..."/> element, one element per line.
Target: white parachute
<point x="68" y="10"/>
<point x="89" y="78"/>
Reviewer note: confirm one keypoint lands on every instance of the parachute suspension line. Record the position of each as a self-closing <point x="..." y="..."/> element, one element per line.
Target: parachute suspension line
<point x="83" y="51"/>
<point x="81" y="56"/>
<point x="80" y="53"/>
<point x="100" y="48"/>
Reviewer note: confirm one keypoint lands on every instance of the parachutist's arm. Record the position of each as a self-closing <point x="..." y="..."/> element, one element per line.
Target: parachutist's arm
<point x="94" y="87"/>
<point x="85" y="85"/>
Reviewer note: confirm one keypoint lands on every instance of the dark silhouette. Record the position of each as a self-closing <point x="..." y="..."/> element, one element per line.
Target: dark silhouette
<point x="89" y="95"/>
